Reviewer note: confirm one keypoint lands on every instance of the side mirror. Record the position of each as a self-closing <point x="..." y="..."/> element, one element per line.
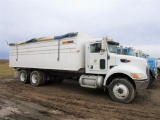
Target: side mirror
<point x="103" y="44"/>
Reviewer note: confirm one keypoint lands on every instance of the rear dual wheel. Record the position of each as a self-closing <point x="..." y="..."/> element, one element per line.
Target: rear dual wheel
<point x="37" y="78"/>
<point x="24" y="76"/>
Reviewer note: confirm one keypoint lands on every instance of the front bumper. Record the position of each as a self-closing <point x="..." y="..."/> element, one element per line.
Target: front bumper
<point x="141" y="84"/>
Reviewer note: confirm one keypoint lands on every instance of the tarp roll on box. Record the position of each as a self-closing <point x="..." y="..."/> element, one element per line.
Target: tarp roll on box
<point x="46" y="38"/>
<point x="61" y="54"/>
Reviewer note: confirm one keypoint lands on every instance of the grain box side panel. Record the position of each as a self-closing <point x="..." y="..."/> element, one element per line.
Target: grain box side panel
<point x="43" y="55"/>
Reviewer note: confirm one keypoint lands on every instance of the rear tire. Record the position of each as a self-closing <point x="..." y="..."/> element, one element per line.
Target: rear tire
<point x="24" y="76"/>
<point x="37" y="78"/>
<point x="121" y="90"/>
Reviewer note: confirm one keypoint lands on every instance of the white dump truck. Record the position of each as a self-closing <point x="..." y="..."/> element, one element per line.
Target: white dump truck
<point x="94" y="61"/>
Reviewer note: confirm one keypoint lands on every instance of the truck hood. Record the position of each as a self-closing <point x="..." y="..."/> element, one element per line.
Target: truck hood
<point x="131" y="60"/>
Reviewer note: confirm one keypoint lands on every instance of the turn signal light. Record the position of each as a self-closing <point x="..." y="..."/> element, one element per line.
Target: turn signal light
<point x="138" y="76"/>
<point x="134" y="75"/>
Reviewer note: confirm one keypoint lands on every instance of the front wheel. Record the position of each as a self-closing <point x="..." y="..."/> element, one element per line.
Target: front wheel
<point x="121" y="90"/>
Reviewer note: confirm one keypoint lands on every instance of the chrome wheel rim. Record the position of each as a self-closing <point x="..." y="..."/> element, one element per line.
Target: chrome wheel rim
<point x="121" y="91"/>
<point x="34" y="78"/>
<point x="22" y="77"/>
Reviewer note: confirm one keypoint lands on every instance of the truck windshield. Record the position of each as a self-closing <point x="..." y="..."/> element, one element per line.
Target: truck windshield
<point x="112" y="48"/>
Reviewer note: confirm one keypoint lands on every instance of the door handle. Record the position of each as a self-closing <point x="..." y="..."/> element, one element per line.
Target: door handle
<point x="91" y="66"/>
<point x="108" y="57"/>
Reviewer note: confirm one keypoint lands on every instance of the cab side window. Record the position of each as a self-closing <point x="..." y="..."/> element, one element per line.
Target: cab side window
<point x="95" y="48"/>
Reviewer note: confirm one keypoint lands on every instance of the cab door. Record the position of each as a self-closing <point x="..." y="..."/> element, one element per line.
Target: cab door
<point x="97" y="58"/>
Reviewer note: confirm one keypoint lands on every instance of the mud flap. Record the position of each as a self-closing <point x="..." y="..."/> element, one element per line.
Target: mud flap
<point x="16" y="74"/>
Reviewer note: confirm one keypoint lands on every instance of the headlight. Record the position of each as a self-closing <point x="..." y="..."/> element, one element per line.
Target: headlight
<point x="138" y="76"/>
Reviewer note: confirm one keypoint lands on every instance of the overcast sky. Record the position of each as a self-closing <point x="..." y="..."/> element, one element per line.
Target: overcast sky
<point x="133" y="23"/>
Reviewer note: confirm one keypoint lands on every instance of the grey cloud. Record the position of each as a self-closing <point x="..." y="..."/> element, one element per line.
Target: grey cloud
<point x="127" y="21"/>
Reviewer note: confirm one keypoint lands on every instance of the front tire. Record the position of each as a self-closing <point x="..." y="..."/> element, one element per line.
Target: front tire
<point x="121" y="90"/>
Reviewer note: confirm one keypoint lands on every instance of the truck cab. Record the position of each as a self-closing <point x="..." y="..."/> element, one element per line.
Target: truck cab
<point x="94" y="61"/>
<point x="120" y="74"/>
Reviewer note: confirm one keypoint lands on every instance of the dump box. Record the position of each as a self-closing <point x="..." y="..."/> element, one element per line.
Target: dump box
<point x="59" y="54"/>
